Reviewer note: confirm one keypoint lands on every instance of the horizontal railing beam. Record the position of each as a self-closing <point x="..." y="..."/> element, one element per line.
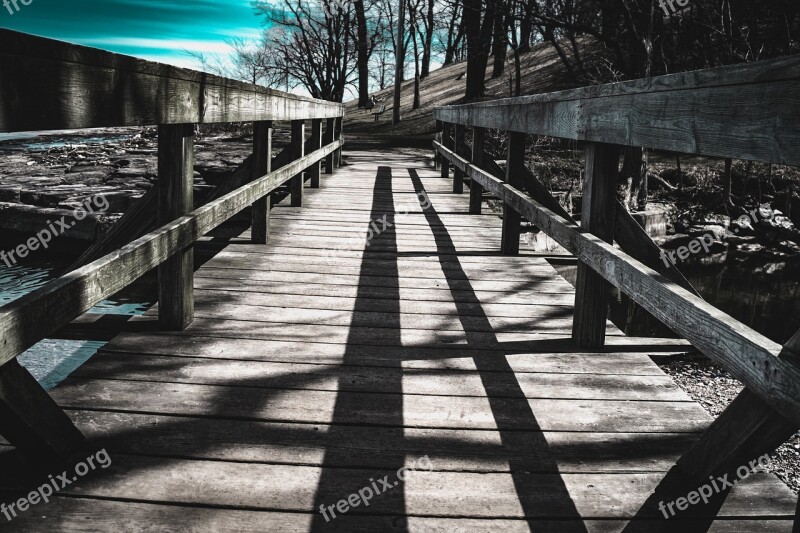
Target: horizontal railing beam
<point x="47" y="85"/>
<point x="709" y="112"/>
<point x="746" y="354"/>
<point x="69" y="296"/>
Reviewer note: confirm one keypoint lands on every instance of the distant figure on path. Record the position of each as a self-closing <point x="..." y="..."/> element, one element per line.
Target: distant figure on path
<point x="370" y="104"/>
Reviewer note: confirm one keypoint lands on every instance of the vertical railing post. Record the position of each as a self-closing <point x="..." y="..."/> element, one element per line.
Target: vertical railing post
<point x="478" y="153"/>
<point x="597" y="216"/>
<point x="446" y="144"/>
<point x="330" y="126"/>
<point x="298" y="147"/>
<point x="515" y="164"/>
<point x="175" y="199"/>
<point x="316" y="143"/>
<point x="262" y="165"/>
<point x="458" y="174"/>
<point x="338" y="137"/>
<point x="436" y="155"/>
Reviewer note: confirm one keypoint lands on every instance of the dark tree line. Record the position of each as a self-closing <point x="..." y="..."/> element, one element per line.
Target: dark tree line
<point x="330" y="46"/>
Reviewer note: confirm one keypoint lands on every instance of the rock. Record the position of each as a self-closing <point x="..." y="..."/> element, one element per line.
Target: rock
<point x="92" y="177"/>
<point x="742" y="227"/>
<point x="10" y="193"/>
<point x="714" y="229"/>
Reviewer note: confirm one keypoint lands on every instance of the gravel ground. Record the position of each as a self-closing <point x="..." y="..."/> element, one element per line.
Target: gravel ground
<point x="714" y="389"/>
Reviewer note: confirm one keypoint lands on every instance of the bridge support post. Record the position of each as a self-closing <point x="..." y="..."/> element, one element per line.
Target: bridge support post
<point x="338" y="136"/>
<point x="329" y="138"/>
<point x="316" y="144"/>
<point x="597" y="217"/>
<point x="458" y="174"/>
<point x="176" y="199"/>
<point x="447" y="144"/>
<point x="515" y="163"/>
<point x="298" y="148"/>
<point x="262" y="165"/>
<point x="478" y="155"/>
<point x="31" y="420"/>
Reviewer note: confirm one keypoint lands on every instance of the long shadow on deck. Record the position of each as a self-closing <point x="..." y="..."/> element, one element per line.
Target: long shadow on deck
<point x="391" y="409"/>
<point x="516" y="421"/>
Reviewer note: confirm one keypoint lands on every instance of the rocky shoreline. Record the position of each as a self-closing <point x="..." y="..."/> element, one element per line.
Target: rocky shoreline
<point x="44" y="178"/>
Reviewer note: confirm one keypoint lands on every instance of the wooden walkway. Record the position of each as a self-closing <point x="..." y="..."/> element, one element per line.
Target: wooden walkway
<point x="309" y="376"/>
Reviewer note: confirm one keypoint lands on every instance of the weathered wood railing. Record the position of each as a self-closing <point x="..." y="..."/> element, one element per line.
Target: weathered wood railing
<point x="745" y="112"/>
<point x="50" y="85"/>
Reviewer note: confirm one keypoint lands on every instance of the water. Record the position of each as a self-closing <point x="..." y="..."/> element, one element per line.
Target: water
<point x="37" y="141"/>
<point x="52" y="360"/>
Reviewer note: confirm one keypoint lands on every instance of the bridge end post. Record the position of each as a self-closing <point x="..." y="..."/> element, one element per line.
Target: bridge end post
<point x="176" y="199"/>
<point x="478" y="155"/>
<point x="316" y="144"/>
<point x="597" y="217"/>
<point x="262" y="165"/>
<point x="511" y="219"/>
<point x="298" y="147"/>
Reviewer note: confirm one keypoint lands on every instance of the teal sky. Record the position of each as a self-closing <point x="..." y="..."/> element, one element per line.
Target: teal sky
<point x="158" y="30"/>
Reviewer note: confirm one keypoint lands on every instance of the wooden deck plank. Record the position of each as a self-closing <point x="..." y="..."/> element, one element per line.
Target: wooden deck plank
<point x="306" y="374"/>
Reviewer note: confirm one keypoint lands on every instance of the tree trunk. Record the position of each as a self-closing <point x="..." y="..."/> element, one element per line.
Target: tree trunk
<point x="400" y="52"/>
<point x="454" y="35"/>
<point x="499" y="43"/>
<point x="362" y="58"/>
<point x="428" y="43"/>
<point x="416" y="70"/>
<point x="526" y="27"/>
<point x="479" y="37"/>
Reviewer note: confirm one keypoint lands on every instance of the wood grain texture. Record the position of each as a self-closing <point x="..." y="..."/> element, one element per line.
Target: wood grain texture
<point x="708" y="112"/>
<point x="477" y="158"/>
<point x="297" y="183"/>
<point x="176" y="199"/>
<point x="32" y="421"/>
<point x="597" y="217"/>
<point x="747" y="355"/>
<point x="330" y="126"/>
<point x="515" y="160"/>
<point x="316" y="144"/>
<point x="73" y="294"/>
<point x="458" y="174"/>
<point x="311" y="374"/>
<point x="261" y="166"/>
<point x="744" y="431"/>
<point x="47" y="85"/>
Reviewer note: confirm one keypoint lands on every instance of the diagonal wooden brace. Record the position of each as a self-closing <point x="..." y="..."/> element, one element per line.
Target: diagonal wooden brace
<point x="31" y="420"/>
<point x="745" y="430"/>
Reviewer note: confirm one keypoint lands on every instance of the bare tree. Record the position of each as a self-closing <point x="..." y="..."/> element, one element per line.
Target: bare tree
<point x="312" y="43"/>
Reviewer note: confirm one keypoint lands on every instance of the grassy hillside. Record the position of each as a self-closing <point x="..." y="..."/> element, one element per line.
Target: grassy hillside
<point x="542" y="71"/>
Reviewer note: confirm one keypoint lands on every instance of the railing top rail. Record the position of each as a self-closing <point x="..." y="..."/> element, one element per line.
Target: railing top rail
<point x="749" y="111"/>
<point x="47" y="84"/>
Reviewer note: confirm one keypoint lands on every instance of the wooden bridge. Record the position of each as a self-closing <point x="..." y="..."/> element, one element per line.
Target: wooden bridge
<point x="376" y="329"/>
